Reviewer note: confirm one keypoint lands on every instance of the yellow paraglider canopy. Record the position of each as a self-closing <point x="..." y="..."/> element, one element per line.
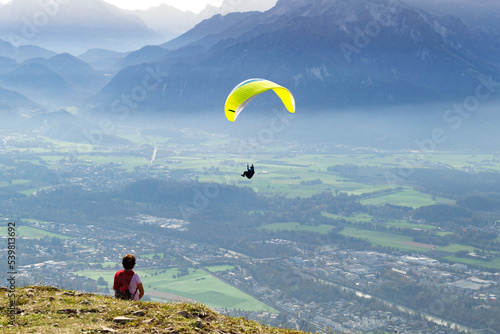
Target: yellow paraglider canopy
<point x="242" y="94"/>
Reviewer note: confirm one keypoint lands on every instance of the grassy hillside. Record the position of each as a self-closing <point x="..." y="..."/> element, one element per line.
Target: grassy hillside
<point x="42" y="309"/>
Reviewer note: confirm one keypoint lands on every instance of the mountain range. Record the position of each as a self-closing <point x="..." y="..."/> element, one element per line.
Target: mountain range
<point x="61" y="80"/>
<point x="329" y="53"/>
<point x="171" y="22"/>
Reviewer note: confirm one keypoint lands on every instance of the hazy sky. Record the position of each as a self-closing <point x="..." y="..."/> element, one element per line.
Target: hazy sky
<point x="191" y="5"/>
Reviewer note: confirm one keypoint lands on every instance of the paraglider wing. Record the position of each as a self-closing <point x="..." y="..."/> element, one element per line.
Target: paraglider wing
<point x="242" y="94"/>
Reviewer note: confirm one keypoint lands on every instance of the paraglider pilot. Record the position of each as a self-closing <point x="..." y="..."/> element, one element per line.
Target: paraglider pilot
<point x="249" y="172"/>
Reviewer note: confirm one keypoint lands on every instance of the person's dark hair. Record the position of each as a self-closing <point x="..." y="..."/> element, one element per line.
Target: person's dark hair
<point x="128" y="262"/>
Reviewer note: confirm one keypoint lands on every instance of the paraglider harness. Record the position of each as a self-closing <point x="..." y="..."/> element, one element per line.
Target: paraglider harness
<point x="121" y="284"/>
<point x="249" y="172"/>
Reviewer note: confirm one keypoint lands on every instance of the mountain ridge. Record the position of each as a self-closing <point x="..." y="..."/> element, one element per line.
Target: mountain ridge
<point x="60" y="80"/>
<point x="330" y="54"/>
<point x="23" y="52"/>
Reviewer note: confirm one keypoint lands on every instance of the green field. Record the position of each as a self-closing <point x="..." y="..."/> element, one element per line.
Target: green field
<point x="36" y="220"/>
<point x="401" y="223"/>
<point x="452" y="248"/>
<point x="385" y="239"/>
<point x="20" y="181"/>
<point x="150" y="256"/>
<point x="29" y="192"/>
<point x="376" y="238"/>
<point x="355" y="218"/>
<point x="110" y="264"/>
<point x="494" y="264"/>
<point x="31" y="233"/>
<point x="17" y="182"/>
<point x="405" y="197"/>
<point x="402" y="242"/>
<point x="366" y="218"/>
<point x="293" y="226"/>
<point x="197" y="285"/>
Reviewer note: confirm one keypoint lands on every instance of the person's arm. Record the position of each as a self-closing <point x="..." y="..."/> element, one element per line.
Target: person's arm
<point x="141" y="290"/>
